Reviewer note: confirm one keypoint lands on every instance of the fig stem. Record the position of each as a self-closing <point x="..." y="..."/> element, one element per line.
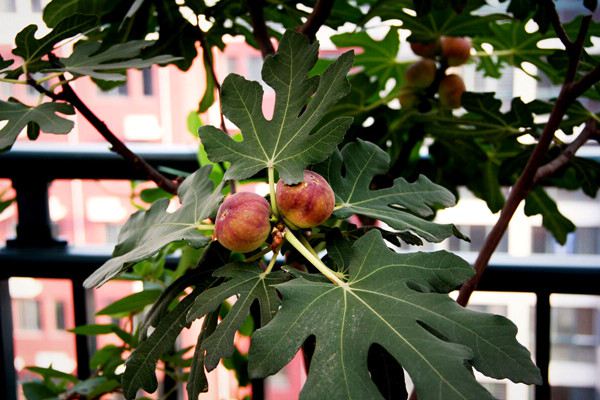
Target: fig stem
<point x="338" y="207"/>
<point x="205" y="227"/>
<point x="272" y="262"/>
<point x="306" y="244"/>
<point x="314" y="260"/>
<point x="271" y="172"/>
<point x="258" y="255"/>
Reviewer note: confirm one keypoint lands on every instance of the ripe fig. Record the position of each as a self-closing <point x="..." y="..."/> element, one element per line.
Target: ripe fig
<point x="451" y="89"/>
<point x="408" y="98"/>
<point x="421" y="74"/>
<point x="456" y="50"/>
<point x="427" y="50"/>
<point x="308" y="203"/>
<point x="242" y="222"/>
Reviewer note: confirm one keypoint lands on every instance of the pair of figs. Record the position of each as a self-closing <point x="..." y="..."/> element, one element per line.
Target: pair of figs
<point x="243" y="220"/>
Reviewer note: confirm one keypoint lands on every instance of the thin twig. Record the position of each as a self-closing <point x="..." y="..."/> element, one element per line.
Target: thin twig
<point x="558" y="27"/>
<point x="259" y="27"/>
<point x="576" y="49"/>
<point x="568" y="153"/>
<point x="319" y="15"/>
<point x="69" y="95"/>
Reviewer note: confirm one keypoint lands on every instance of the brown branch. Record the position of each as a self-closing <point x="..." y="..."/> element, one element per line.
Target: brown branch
<point x="576" y="49"/>
<point x="568" y="153"/>
<point x="319" y="15"/>
<point x="558" y="27"/>
<point x="259" y="27"/>
<point x="568" y="94"/>
<point x="69" y="95"/>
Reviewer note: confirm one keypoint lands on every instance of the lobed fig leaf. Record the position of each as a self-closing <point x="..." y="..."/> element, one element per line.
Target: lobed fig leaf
<point x="404" y="206"/>
<point x="146" y="232"/>
<point x="399" y="302"/>
<point x="296" y="136"/>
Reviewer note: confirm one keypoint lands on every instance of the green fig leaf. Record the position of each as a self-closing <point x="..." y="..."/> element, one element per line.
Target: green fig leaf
<point x="146" y="232"/>
<point x="296" y="136"/>
<point x="401" y="303"/>
<point x="250" y="285"/>
<point x="403" y="206"/>
<point x="45" y="116"/>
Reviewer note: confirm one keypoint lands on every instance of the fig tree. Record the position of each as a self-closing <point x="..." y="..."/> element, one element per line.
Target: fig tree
<point x="456" y="50"/>
<point x="242" y="222"/>
<point x="421" y="74"/>
<point x="308" y="203"/>
<point x="451" y="89"/>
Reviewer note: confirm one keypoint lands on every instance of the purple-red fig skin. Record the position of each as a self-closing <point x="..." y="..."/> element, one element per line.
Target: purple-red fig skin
<point x="456" y="50"/>
<point x="427" y="50"/>
<point x="421" y="74"/>
<point x="451" y="90"/>
<point x="307" y="204"/>
<point x="242" y="223"/>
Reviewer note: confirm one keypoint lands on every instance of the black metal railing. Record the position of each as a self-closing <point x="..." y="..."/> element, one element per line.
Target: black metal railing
<point x="34" y="252"/>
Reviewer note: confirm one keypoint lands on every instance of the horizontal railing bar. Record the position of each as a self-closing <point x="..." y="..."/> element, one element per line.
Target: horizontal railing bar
<point x="63" y="161"/>
<point x="78" y="263"/>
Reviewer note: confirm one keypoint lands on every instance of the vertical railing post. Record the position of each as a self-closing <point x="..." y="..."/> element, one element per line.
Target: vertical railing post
<point x="8" y="377"/>
<point x="34" y="227"/>
<point x="542" y="343"/>
<point x="83" y="306"/>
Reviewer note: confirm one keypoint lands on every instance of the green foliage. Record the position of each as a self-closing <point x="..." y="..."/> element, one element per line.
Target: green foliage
<point x="45" y="116"/>
<point x="382" y="311"/>
<point x="149" y="231"/>
<point x="293" y="138"/>
<point x="400" y="302"/>
<point x="403" y="206"/>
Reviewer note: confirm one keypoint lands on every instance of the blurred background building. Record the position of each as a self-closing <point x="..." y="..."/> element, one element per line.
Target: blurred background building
<point x="151" y="109"/>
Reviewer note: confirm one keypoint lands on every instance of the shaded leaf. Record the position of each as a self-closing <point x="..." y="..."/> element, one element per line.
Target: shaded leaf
<point x="538" y="202"/>
<point x="140" y="366"/>
<point x="378" y="57"/>
<point x="45" y="116"/>
<point x="38" y="391"/>
<point x="403" y="206"/>
<point x="131" y="304"/>
<point x="57" y="10"/>
<point x="249" y="284"/>
<point x="403" y="298"/>
<point x="146" y="232"/>
<point x="109" y="64"/>
<point x="197" y="382"/>
<point x="288" y="141"/>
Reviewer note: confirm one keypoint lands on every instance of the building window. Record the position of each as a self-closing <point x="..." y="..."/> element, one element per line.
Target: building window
<point x="8" y="5"/>
<point x="147" y="82"/>
<point x="583" y="241"/>
<point x="36" y="5"/>
<point x="574" y="334"/>
<point x="59" y="316"/>
<point x="29" y="317"/>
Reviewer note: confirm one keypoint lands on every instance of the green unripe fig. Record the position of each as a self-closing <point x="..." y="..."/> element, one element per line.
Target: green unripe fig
<point x="308" y="203"/>
<point x="456" y="50"/>
<point x="421" y="74"/>
<point x="242" y="222"/>
<point x="427" y="50"/>
<point x="451" y="90"/>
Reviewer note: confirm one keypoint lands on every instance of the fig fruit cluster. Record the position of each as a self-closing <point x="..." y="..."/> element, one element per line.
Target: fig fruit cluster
<point x="243" y="221"/>
<point x="422" y="75"/>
